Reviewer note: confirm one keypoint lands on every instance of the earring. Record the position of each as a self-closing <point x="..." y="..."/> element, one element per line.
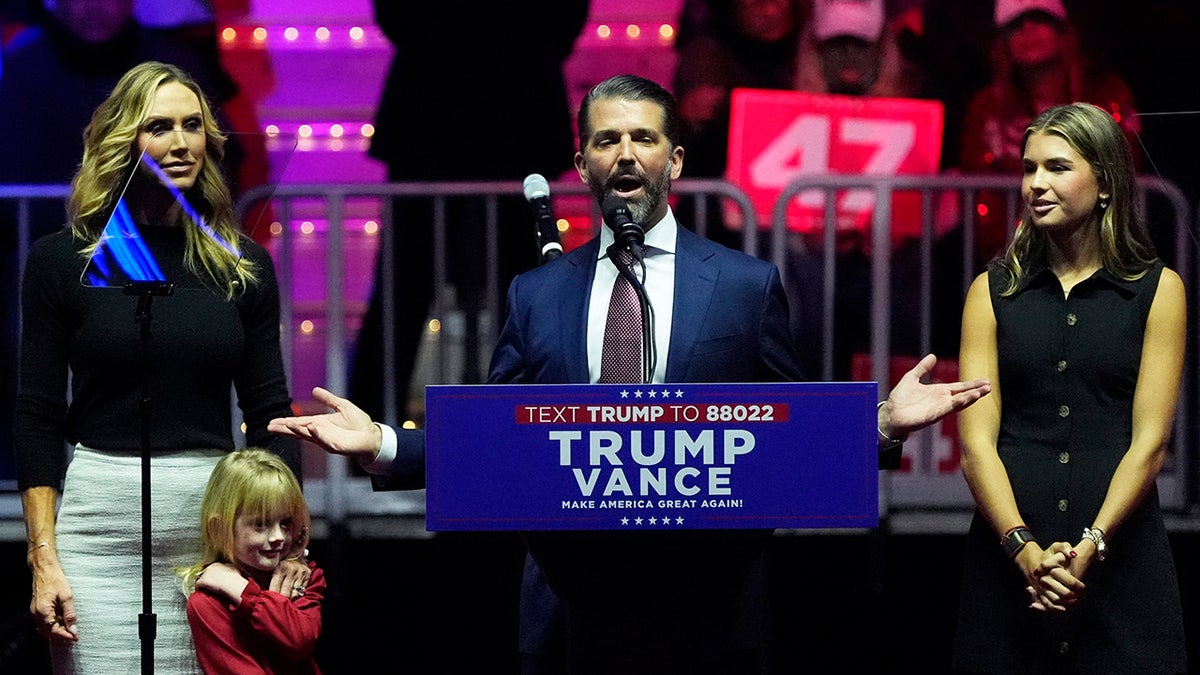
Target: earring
<point x="1103" y="202"/>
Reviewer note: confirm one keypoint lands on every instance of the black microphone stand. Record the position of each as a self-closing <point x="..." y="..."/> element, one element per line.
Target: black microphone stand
<point x="147" y="621"/>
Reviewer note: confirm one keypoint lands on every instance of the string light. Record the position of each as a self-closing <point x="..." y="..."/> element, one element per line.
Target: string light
<point x="368" y="228"/>
<point x="358" y="37"/>
<point x="318" y="136"/>
<point x="605" y="33"/>
<point x="301" y="37"/>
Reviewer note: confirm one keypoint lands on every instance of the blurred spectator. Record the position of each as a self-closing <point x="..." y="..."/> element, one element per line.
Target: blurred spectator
<point x="740" y="43"/>
<point x="749" y="43"/>
<point x="853" y="48"/>
<point x="521" y="48"/>
<point x="1036" y="62"/>
<point x="68" y="63"/>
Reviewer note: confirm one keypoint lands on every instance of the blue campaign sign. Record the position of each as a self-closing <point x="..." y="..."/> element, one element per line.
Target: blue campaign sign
<point x="651" y="457"/>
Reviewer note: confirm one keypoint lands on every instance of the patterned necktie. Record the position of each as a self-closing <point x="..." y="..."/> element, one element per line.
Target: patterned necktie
<point x="621" y="359"/>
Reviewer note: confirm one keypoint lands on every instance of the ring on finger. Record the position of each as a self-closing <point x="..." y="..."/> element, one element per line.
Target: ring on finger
<point x="51" y="621"/>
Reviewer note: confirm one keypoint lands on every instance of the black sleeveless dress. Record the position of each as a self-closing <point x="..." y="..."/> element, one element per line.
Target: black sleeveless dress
<point x="1068" y="367"/>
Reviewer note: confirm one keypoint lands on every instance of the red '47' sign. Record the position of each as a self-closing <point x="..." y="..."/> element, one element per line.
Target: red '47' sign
<point x="774" y="136"/>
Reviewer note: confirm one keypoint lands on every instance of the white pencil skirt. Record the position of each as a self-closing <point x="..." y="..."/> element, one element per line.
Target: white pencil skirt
<point x="99" y="532"/>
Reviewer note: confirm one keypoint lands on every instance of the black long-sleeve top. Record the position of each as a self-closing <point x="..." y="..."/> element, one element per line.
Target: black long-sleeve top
<point x="201" y="347"/>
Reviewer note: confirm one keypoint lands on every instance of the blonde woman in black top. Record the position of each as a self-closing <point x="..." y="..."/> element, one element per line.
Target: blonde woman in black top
<point x="218" y="331"/>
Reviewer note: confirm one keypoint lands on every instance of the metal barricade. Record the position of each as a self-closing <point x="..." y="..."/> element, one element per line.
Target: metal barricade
<point x="931" y="478"/>
<point x="336" y="495"/>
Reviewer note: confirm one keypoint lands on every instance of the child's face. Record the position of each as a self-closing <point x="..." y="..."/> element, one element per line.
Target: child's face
<point x="262" y="541"/>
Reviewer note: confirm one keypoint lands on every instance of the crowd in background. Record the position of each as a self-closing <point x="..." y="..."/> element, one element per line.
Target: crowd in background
<point x="993" y="66"/>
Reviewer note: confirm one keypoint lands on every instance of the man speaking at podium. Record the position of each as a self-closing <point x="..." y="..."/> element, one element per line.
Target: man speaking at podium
<point x="627" y="603"/>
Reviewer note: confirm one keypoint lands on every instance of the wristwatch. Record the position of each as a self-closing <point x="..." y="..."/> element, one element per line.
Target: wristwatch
<point x="1096" y="536"/>
<point x="890" y="451"/>
<point x="1015" y="539"/>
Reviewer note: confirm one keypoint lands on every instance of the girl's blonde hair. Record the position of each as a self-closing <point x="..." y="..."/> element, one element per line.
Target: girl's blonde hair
<point x="110" y="159"/>
<point x="247" y="481"/>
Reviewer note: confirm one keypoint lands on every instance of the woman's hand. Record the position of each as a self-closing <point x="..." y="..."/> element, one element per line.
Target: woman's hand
<point x="52" y="606"/>
<point x="1054" y="583"/>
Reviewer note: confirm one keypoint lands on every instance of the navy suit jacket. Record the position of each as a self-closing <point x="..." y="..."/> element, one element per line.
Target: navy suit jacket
<point x="729" y="324"/>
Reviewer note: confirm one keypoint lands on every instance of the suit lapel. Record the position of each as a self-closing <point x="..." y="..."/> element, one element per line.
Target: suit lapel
<point x="573" y="306"/>
<point x="695" y="282"/>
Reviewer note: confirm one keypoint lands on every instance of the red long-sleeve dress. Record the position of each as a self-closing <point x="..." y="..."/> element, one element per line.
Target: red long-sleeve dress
<point x="266" y="633"/>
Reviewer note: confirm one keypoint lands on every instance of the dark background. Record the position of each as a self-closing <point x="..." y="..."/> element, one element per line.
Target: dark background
<point x="842" y="603"/>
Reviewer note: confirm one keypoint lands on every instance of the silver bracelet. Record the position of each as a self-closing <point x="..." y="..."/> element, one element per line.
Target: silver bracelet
<point x="1096" y="536"/>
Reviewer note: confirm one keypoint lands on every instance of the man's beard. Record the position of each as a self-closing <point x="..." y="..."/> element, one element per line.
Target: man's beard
<point x="640" y="209"/>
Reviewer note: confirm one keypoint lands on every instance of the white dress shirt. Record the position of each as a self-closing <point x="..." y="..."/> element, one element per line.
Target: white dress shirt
<point x="660" y="289"/>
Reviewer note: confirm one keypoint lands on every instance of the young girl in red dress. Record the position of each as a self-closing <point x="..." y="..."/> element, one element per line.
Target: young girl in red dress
<point x="253" y="517"/>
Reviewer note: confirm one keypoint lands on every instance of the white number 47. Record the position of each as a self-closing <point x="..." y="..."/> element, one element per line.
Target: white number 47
<point x="803" y="149"/>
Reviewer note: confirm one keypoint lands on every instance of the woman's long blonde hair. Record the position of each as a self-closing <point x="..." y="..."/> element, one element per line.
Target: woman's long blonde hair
<point x="110" y="158"/>
<point x="246" y="481"/>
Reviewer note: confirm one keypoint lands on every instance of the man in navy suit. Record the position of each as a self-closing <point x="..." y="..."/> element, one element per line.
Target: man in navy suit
<point x="654" y="602"/>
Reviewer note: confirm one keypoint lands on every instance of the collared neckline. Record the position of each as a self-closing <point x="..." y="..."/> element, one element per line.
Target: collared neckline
<point x="1040" y="274"/>
<point x="659" y="239"/>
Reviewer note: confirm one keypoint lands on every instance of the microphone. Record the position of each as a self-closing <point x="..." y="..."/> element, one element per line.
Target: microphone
<point x="537" y="193"/>
<point x="629" y="235"/>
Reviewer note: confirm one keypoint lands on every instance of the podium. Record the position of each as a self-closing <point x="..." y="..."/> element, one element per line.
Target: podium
<point x="647" y="508"/>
